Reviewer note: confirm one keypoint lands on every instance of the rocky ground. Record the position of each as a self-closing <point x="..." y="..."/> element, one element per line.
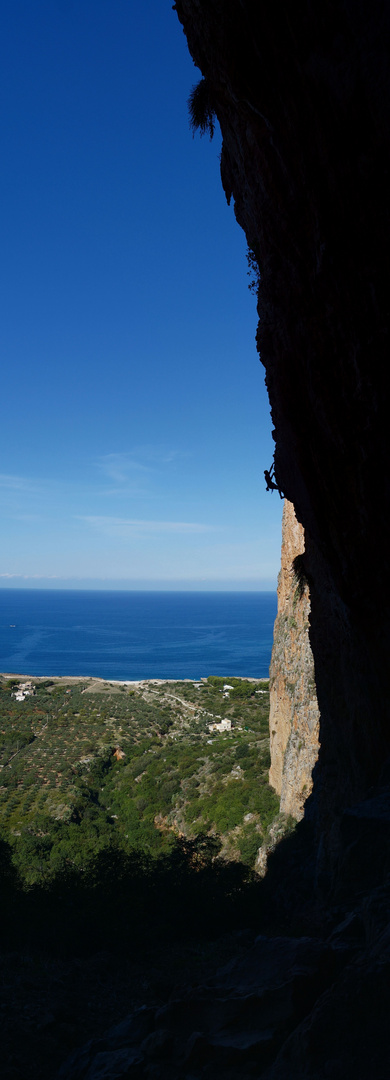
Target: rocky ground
<point x="49" y="1005"/>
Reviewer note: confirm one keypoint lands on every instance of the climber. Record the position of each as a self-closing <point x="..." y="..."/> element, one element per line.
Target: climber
<point x="270" y="482"/>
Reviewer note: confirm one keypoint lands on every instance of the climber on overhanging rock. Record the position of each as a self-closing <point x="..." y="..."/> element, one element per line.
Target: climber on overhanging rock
<point x="270" y="482"/>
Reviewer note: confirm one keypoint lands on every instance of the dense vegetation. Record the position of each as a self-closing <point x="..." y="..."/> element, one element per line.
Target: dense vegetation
<point x="89" y="766"/>
<point x="128" y="805"/>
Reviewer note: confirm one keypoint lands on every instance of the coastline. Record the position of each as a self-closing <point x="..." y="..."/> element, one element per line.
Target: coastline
<point x="96" y="679"/>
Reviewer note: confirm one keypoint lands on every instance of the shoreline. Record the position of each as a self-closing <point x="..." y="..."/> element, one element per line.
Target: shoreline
<point x="93" y="679"/>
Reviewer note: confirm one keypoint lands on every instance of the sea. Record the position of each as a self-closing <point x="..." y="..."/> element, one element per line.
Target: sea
<point x="136" y="635"/>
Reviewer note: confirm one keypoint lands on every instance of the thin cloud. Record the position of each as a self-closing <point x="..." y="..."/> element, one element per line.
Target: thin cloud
<point x="18" y="483"/>
<point x="156" y="454"/>
<point x="120" y="467"/>
<point x="130" y="526"/>
<point x="33" y="577"/>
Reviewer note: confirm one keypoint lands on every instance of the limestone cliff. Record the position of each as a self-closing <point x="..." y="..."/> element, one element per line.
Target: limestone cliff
<point x="294" y="713"/>
<point x="302" y="95"/>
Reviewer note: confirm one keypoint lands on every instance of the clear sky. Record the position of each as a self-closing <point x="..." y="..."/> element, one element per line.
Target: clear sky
<point x="135" y="424"/>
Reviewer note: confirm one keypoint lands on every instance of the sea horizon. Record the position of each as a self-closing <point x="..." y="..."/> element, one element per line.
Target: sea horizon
<point x="13" y="582"/>
<point x="133" y="635"/>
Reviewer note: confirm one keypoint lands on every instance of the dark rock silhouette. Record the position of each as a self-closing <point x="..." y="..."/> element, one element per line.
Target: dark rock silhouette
<point x="302" y="96"/>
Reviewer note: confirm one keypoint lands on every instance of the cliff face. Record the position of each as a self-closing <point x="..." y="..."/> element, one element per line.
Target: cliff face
<point x="294" y="713"/>
<point x="302" y="94"/>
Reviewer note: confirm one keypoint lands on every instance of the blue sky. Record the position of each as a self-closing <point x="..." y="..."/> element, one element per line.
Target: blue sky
<point x="135" y="424"/>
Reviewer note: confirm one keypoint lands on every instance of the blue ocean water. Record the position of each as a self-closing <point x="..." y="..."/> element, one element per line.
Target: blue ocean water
<point x="136" y="635"/>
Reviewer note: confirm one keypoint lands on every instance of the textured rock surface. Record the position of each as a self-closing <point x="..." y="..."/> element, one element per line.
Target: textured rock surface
<point x="345" y="1034"/>
<point x="230" y="1027"/>
<point x="294" y="713"/>
<point x="290" y="1008"/>
<point x="302" y="94"/>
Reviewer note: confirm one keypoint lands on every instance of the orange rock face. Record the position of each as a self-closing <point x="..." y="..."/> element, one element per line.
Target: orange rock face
<point x="294" y="713"/>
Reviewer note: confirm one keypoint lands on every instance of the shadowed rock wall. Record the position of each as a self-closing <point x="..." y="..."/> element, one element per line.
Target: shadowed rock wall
<point x="302" y="95"/>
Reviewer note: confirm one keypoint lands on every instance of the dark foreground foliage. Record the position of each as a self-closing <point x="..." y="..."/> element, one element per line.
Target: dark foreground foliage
<point x="124" y="902"/>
